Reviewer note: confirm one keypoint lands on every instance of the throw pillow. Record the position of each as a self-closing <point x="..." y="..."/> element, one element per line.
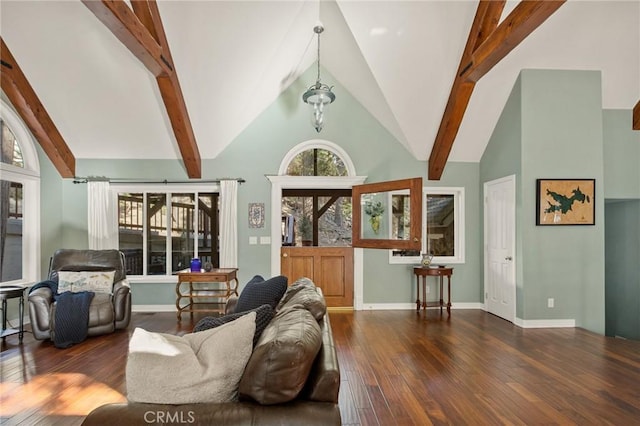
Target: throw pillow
<point x="264" y="314"/>
<point x="198" y="367"/>
<point x="77" y="281"/>
<point x="259" y="292"/>
<point x="281" y="361"/>
<point x="298" y="285"/>
<point x="308" y="296"/>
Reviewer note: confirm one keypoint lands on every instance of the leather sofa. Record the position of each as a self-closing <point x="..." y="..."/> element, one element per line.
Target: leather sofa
<point x="316" y="404"/>
<point x="107" y="312"/>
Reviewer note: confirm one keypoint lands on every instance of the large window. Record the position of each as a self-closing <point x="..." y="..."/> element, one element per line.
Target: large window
<point x="442" y="225"/>
<point x="160" y="232"/>
<point x="19" y="201"/>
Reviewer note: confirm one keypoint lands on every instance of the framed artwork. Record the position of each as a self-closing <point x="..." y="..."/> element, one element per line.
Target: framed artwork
<point x="565" y="202"/>
<point x="256" y="215"/>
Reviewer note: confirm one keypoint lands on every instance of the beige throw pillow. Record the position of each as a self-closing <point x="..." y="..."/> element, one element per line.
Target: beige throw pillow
<point x="77" y="281"/>
<point x="197" y="367"/>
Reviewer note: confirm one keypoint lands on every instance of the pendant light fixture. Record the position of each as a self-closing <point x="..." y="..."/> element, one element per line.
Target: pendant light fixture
<point x="318" y="96"/>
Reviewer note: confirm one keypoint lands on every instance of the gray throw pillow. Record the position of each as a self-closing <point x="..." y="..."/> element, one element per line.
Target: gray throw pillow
<point x="260" y="292"/>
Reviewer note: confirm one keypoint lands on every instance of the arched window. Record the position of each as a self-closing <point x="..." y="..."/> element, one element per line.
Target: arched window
<point x="316" y="162"/>
<point x="20" y="201"/>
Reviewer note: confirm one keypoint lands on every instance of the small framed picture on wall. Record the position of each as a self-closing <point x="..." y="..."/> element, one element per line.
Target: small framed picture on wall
<point x="565" y="202"/>
<point x="256" y="215"/>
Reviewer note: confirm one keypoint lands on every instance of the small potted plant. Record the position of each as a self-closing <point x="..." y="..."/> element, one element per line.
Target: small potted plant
<point x="306" y="231"/>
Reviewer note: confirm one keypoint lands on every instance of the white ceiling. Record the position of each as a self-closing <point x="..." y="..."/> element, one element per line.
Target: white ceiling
<point x="234" y="58"/>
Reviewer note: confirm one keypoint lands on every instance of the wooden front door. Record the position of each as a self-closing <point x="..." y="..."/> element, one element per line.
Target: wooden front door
<point x="330" y="268"/>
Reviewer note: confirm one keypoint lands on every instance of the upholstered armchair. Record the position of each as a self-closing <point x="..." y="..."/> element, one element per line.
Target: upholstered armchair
<point x="107" y="311"/>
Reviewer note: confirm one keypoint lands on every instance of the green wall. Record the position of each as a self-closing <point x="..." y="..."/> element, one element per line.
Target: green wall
<point x="258" y="151"/>
<point x="557" y="120"/>
<point x="562" y="138"/>
<point x="621" y="155"/>
<point x="501" y="158"/>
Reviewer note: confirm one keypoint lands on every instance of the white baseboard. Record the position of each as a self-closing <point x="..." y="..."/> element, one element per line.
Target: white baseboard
<point x="553" y="323"/>
<point x="153" y="308"/>
<point x="412" y="306"/>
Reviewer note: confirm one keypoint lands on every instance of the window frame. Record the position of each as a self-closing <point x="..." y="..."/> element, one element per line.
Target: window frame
<point x="168" y="190"/>
<point x="458" y="226"/>
<point x="29" y="177"/>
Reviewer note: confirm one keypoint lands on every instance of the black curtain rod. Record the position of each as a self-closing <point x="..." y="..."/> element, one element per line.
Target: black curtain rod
<point x="79" y="179"/>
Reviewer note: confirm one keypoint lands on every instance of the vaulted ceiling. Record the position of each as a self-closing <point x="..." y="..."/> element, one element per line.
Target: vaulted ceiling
<point x="234" y="58"/>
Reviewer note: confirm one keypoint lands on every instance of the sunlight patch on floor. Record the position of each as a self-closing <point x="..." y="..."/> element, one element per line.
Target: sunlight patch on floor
<point x="67" y="394"/>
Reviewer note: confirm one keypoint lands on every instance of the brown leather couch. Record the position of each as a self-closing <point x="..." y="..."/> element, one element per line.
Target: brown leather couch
<point x="316" y="404"/>
<point x="107" y="312"/>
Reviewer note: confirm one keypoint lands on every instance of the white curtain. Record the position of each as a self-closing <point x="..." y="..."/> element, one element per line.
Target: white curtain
<point x="229" y="224"/>
<point x="102" y="217"/>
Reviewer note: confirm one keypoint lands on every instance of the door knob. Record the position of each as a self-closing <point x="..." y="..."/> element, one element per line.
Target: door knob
<point x="285" y="255"/>
<point x="415" y="239"/>
<point x="508" y="258"/>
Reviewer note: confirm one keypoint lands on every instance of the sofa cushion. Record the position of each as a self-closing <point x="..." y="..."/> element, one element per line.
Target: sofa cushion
<point x="304" y="292"/>
<point x="77" y="281"/>
<point x="280" y="363"/>
<point x="197" y="367"/>
<point x="264" y="314"/>
<point x="259" y="291"/>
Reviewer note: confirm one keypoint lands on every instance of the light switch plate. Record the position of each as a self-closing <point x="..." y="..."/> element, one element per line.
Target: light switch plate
<point x="253" y="240"/>
<point x="265" y="240"/>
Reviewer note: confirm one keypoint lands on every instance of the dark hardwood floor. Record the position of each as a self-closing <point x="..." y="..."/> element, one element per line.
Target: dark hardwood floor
<point x="397" y="368"/>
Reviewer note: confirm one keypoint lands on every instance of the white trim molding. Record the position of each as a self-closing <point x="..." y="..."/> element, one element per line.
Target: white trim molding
<point x="29" y="177"/>
<point x="552" y="323"/>
<point x="154" y="308"/>
<point x="317" y="144"/>
<point x="412" y="306"/>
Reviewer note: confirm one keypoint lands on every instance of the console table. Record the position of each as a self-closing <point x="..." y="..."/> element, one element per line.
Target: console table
<point x="198" y="292"/>
<point x="12" y="292"/>
<point x="440" y="273"/>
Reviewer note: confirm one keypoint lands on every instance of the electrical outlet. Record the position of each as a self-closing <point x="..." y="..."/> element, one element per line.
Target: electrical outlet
<point x="550" y="302"/>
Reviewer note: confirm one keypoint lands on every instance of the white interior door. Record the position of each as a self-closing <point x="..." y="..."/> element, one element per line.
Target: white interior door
<point x="499" y="236"/>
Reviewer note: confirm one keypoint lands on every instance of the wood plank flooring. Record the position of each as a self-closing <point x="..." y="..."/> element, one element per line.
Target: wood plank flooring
<point x="397" y="368"/>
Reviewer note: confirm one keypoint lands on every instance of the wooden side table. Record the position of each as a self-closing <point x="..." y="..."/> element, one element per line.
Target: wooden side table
<point x="198" y="294"/>
<point x="12" y="292"/>
<point x="440" y="273"/>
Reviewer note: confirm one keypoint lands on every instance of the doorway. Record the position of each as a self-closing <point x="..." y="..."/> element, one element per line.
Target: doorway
<point x="500" y="247"/>
<point x="313" y="258"/>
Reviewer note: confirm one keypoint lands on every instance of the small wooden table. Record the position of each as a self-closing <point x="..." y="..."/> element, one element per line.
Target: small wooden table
<point x="197" y="292"/>
<point x="433" y="271"/>
<point x="12" y="292"/>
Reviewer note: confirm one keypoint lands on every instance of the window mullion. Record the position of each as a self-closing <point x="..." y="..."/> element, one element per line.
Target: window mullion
<point x="195" y="224"/>
<point x="145" y="230"/>
<point x="169" y="231"/>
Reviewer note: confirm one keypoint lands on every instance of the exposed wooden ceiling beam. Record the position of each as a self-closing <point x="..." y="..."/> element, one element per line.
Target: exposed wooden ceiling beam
<point x="127" y="27"/>
<point x="486" y="45"/>
<point x="484" y="23"/>
<point x="522" y="21"/>
<point x="142" y="32"/>
<point x="636" y="116"/>
<point x="17" y="88"/>
<point x="149" y="15"/>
